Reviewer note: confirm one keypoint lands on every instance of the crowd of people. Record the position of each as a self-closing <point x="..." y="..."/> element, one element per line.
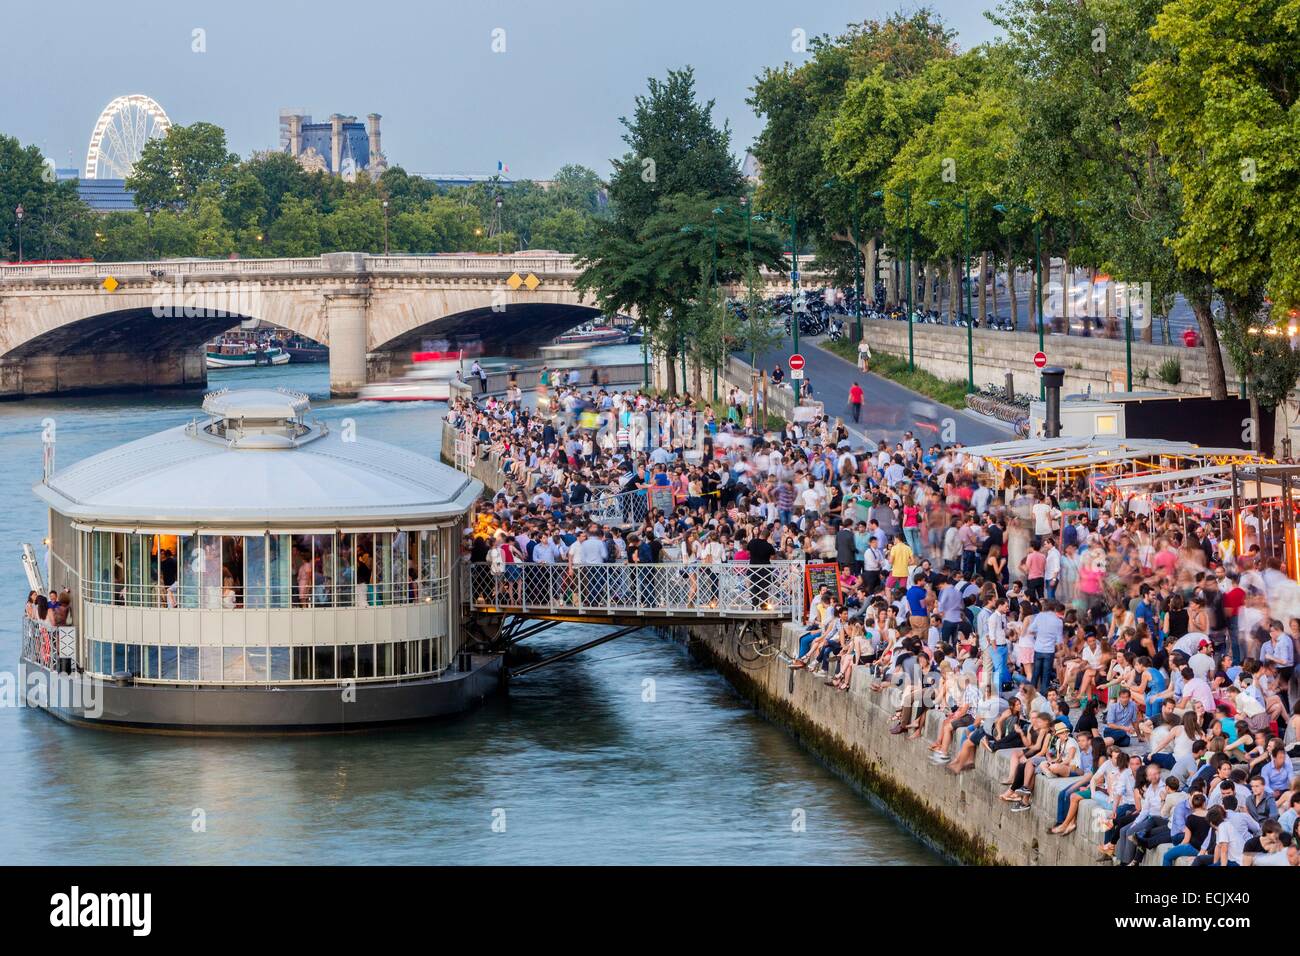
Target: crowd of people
<point x="1129" y="649"/>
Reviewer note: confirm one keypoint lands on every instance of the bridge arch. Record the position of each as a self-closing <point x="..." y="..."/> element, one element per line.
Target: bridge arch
<point x="515" y="329"/>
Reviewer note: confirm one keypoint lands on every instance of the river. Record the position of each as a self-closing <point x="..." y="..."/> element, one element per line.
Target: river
<point x="630" y="753"/>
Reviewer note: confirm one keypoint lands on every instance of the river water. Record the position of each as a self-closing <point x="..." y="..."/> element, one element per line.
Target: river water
<point x="574" y="766"/>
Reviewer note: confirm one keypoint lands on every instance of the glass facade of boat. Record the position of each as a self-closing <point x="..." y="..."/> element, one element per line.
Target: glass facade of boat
<point x="269" y="607"/>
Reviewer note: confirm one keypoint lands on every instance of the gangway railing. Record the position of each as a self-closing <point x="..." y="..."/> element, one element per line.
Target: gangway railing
<point x="722" y="591"/>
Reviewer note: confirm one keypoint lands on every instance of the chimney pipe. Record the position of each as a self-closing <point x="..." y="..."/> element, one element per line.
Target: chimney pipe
<point x="336" y="142"/>
<point x="1053" y="379"/>
<point x="374" y="137"/>
<point x="295" y="135"/>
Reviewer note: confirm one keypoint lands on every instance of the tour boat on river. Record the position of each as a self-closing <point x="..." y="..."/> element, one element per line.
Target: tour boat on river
<point x="255" y="571"/>
<point x="228" y="352"/>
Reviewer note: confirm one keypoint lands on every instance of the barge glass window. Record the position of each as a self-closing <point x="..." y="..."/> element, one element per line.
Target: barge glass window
<point x="301" y="663"/>
<point x="364" y="569"/>
<point x="151" y="555"/>
<point x="347" y="666"/>
<point x="189" y="663"/>
<point x="135" y="595"/>
<point x="426" y="653"/>
<point x="167" y="564"/>
<point x="279" y="663"/>
<point x="210" y="663"/>
<point x="168" y="667"/>
<point x="210" y="571"/>
<point x="151" y="662"/>
<point x="345" y="580"/>
<point x="232" y="570"/>
<point x="399" y="657"/>
<point x="119" y="567"/>
<point x="322" y="551"/>
<point x="119" y="658"/>
<point x="255" y="663"/>
<point x="188" y="572"/>
<point x="365" y="660"/>
<point x="255" y="571"/>
<point x="280" y="569"/>
<point x="428" y="563"/>
<point x="384" y="576"/>
<point x="384" y="660"/>
<point x="233" y="665"/>
<point x="324" y="660"/>
<point x="133" y="658"/>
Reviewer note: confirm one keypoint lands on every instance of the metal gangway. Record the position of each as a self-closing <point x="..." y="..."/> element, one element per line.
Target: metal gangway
<point x="651" y="593"/>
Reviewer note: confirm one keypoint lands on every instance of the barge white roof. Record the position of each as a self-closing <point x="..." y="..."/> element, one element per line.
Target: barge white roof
<point x="258" y="461"/>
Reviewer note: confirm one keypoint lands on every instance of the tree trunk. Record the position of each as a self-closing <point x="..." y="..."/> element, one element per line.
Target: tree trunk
<point x="994" y="289"/>
<point x="983" y="290"/>
<point x="1011" y="290"/>
<point x="870" y="270"/>
<point x="1215" y="379"/>
<point x="1067" y="286"/>
<point x="891" y="283"/>
<point x="671" y="380"/>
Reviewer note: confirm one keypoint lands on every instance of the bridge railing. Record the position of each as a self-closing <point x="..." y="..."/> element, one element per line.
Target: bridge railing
<point x="653" y="590"/>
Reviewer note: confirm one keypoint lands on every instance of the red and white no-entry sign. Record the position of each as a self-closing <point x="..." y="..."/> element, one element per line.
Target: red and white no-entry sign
<point x="1040" y="359"/>
<point x="796" y="362"/>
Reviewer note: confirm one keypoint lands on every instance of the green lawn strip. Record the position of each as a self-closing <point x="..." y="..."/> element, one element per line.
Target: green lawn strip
<point x="951" y="392"/>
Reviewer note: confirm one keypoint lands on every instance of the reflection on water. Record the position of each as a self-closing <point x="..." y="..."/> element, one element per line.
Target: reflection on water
<point x="575" y="764"/>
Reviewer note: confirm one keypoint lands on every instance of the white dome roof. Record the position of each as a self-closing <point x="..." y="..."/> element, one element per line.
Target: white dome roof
<point x="257" y="463"/>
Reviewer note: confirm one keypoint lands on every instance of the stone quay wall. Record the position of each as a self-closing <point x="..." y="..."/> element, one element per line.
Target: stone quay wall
<point x="960" y="815"/>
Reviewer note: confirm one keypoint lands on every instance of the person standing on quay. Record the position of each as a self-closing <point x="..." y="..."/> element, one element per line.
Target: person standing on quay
<point x="864" y="356"/>
<point x="855" y="401"/>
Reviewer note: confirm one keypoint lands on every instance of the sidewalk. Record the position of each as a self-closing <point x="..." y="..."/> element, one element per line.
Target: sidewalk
<point x="888" y="409"/>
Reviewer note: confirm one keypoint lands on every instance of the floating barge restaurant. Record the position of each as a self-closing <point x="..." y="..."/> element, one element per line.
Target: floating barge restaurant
<point x="256" y="571"/>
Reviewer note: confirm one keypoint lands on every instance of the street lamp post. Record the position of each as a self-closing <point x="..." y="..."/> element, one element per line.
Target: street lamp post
<point x="498" y="218"/>
<point x="19" y="213"/>
<point x="385" y="227"/>
<point x="964" y="206"/>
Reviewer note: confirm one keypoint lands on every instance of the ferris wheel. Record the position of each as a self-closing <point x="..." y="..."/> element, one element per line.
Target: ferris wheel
<point x="120" y="133"/>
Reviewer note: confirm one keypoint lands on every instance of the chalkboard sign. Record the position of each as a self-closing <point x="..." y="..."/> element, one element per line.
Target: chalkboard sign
<point x="662" y="498"/>
<point x="817" y="576"/>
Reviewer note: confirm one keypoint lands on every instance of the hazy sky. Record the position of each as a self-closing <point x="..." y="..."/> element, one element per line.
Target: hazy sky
<point x="450" y="104"/>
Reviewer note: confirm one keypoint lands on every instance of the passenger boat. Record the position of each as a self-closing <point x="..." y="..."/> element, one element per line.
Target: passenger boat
<point x="427" y="379"/>
<point x="303" y="350"/>
<point x="240" y="353"/>
<point x="255" y="550"/>
<point x="593" y="335"/>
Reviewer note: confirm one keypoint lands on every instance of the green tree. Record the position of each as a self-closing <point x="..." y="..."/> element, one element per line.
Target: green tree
<point x="566" y="230"/>
<point x="438" y="224"/>
<point x="171" y="168"/>
<point x="297" y="232"/>
<point x="678" y="166"/>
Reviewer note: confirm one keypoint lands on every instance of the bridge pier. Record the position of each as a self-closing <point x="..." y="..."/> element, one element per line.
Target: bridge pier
<point x="347" y="310"/>
<point x="108" y="371"/>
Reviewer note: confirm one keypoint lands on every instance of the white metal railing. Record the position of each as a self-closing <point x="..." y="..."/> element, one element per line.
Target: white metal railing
<point x="44" y="644"/>
<point x="278" y="596"/>
<point x="623" y="508"/>
<point x="691" y="590"/>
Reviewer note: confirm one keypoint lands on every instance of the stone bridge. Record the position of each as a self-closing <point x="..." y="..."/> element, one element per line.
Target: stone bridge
<point x="90" y="326"/>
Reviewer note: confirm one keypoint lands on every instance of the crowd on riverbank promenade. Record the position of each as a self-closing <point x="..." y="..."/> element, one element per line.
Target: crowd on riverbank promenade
<point x="1095" y="653"/>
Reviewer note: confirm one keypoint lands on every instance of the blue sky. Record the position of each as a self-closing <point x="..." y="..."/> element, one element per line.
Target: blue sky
<point x="450" y="104"/>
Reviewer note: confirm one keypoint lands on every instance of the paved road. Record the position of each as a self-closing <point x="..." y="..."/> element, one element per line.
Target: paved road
<point x="889" y="409"/>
